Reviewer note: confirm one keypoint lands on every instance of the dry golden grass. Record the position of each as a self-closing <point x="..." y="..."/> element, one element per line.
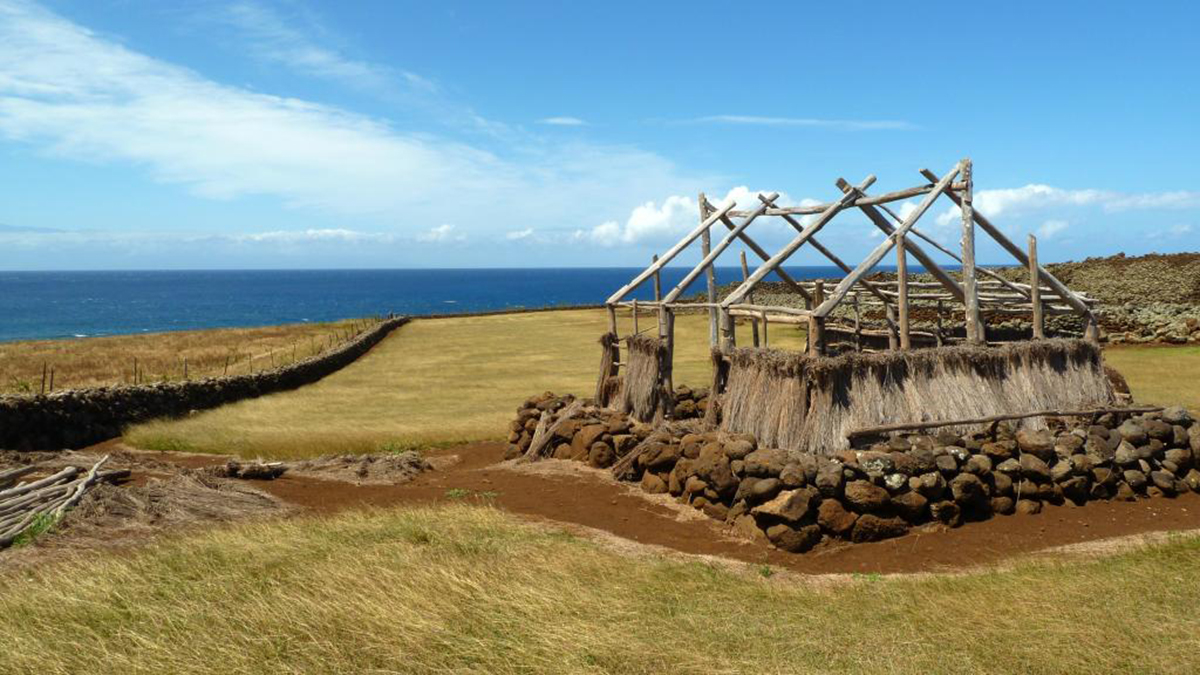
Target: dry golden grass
<point x="1160" y="375"/>
<point x="470" y="589"/>
<point x="104" y="361"/>
<point x="433" y="381"/>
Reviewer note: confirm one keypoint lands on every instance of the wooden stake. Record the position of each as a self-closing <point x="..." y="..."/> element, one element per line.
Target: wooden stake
<point x="902" y="301"/>
<point x="750" y="299"/>
<point x="970" y="291"/>
<point x="938" y="334"/>
<point x="43" y="377"/>
<point x="857" y="324"/>
<point x="1035" y="291"/>
<point x="710" y="280"/>
<point x="816" y="324"/>
<point x="635" y="317"/>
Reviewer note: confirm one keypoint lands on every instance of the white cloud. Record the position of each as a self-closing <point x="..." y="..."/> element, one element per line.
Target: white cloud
<point x="1035" y="197"/>
<point x="563" y="121"/>
<point x="80" y="96"/>
<point x="844" y="125"/>
<point x="442" y="234"/>
<point x="313" y="235"/>
<point x="517" y="235"/>
<point x="1052" y="227"/>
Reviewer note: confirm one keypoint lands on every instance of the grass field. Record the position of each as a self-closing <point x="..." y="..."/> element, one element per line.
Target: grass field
<point x="1160" y="375"/>
<point x="470" y="589"/>
<point x="103" y="361"/>
<point x="432" y="381"/>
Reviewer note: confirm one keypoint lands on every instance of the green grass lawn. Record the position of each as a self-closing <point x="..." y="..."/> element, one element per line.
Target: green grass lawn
<point x="1160" y="375"/>
<point x="432" y="381"/>
<point x="470" y="589"/>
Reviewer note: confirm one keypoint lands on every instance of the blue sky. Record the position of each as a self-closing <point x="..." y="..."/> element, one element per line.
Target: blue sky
<point x="297" y="133"/>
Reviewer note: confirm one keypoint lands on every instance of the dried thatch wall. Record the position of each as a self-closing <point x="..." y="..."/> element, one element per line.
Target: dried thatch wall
<point x="641" y="390"/>
<point x="791" y="400"/>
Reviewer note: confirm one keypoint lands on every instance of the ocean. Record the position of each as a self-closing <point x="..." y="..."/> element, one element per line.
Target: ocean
<point x="37" y="305"/>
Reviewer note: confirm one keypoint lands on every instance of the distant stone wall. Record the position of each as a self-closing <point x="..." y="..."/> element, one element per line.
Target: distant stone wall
<point x="76" y="418"/>
<point x="796" y="499"/>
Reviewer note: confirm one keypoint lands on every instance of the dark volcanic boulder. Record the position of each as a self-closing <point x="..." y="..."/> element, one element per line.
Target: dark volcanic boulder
<point x="863" y="496"/>
<point x="870" y="527"/>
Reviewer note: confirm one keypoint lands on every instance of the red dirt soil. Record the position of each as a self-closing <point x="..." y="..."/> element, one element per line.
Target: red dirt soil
<point x="585" y="499"/>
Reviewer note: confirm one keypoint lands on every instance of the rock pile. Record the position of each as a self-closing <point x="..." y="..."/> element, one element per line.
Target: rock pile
<point x="796" y="499"/>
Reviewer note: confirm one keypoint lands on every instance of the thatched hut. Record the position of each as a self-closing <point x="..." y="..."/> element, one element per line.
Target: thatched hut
<point x="865" y="364"/>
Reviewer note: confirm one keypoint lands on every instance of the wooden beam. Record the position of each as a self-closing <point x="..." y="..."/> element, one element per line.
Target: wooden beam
<point x="885" y="198"/>
<point x="971" y="316"/>
<point x="762" y="254"/>
<point x="875" y="256"/>
<point x="670" y="254"/>
<point x="1035" y="291"/>
<point x="927" y="262"/>
<point x="753" y="322"/>
<point x="816" y="324"/>
<point x="710" y="256"/>
<point x="914" y="426"/>
<point x="830" y="256"/>
<point x="1049" y="279"/>
<point x="776" y="260"/>
<point x="902" y="304"/>
<point x="710" y="280"/>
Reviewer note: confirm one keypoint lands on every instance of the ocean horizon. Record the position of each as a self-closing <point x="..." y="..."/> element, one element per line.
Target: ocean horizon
<point x="63" y="304"/>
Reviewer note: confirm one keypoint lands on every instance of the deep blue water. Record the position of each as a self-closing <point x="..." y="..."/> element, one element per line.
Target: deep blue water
<point x="84" y="304"/>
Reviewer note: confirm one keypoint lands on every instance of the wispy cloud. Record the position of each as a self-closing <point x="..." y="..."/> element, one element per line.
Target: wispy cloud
<point x="1037" y="197"/>
<point x="807" y="122"/>
<point x="563" y="121"/>
<point x="517" y="235"/>
<point x="1052" y="227"/>
<point x="80" y="96"/>
<point x="442" y="234"/>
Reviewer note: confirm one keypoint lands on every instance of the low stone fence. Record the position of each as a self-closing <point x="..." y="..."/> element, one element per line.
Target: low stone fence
<point x="796" y="499"/>
<point x="77" y="418"/>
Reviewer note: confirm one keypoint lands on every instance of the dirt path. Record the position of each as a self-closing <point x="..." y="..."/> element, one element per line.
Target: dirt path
<point x="569" y="493"/>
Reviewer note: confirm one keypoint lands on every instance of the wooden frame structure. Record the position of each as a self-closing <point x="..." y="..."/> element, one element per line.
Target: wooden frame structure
<point x="890" y="302"/>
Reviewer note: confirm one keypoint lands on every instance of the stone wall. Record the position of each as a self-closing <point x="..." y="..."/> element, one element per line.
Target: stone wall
<point x="796" y="499"/>
<point x="76" y="418"/>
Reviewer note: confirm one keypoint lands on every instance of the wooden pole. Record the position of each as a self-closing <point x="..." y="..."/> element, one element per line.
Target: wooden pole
<point x="135" y="378"/>
<point x="657" y="289"/>
<point x="970" y="291"/>
<point x="902" y="301"/>
<point x="764" y="328"/>
<point x="938" y="333"/>
<point x="710" y="279"/>
<point x="635" y="317"/>
<point x="857" y="324"/>
<point x="816" y="324"/>
<point x="43" y="377"/>
<point x="1035" y="291"/>
<point x="185" y="369"/>
<point x="750" y="298"/>
<point x="728" y="329"/>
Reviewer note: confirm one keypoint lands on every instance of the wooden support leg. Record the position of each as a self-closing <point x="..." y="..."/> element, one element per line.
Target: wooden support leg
<point x="902" y="301"/>
<point x="750" y="299"/>
<point x="710" y="278"/>
<point x="1035" y="291"/>
<point x="970" y="291"/>
<point x="816" y="324"/>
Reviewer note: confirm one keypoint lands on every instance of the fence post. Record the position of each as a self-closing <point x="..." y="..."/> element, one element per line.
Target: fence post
<point x="1035" y="291"/>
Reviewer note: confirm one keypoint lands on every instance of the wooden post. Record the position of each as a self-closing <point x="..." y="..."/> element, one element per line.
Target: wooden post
<point x="938" y="333"/>
<point x="893" y="331"/>
<point x="753" y="322"/>
<point x="710" y="278"/>
<point x="635" y="317"/>
<point x="764" y="329"/>
<point x="728" y="329"/>
<point x="1035" y="291"/>
<point x="666" y="333"/>
<point x="185" y="370"/>
<point x="902" y="302"/>
<point x="612" y="319"/>
<point x="657" y="289"/>
<point x="135" y="370"/>
<point x="857" y="324"/>
<point x="816" y="324"/>
<point x="971" y="293"/>
<point x="43" y="377"/>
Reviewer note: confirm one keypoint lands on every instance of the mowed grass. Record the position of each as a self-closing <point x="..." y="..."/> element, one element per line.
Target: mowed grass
<point x="433" y="381"/>
<point x="470" y="589"/>
<point x="105" y="361"/>
<point x="1160" y="375"/>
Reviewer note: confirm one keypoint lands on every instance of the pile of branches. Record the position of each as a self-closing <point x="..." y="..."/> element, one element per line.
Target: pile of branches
<point x="24" y="505"/>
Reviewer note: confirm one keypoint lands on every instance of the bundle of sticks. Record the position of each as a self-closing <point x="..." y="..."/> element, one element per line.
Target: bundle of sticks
<point x="22" y="504"/>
